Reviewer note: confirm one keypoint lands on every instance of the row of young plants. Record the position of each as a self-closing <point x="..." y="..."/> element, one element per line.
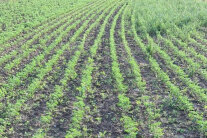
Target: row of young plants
<point x="202" y="30"/>
<point x="151" y="111"/>
<point x="190" y="50"/>
<point x="193" y="67"/>
<point x="194" y="88"/>
<point x="27" y="51"/>
<point x="79" y="106"/>
<point x="36" y="63"/>
<point x="182" y="101"/>
<point x="75" y="35"/>
<point x="12" y="109"/>
<point x="20" y="15"/>
<point x="17" y="80"/>
<point x="69" y="74"/>
<point x="141" y="84"/>
<point x="153" y="48"/>
<point x="44" y="27"/>
<point x="188" y="39"/>
<point x="31" y="31"/>
<point x="196" y="44"/>
<point x="199" y="37"/>
<point x="28" y="48"/>
<point x="130" y="124"/>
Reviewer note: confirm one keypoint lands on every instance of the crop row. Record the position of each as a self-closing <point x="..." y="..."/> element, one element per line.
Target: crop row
<point x="129" y="124"/>
<point x="154" y="126"/>
<point x="18" y="17"/>
<point x="15" y="81"/>
<point x="13" y="109"/>
<point x="78" y="113"/>
<point x="70" y="74"/>
<point x="26" y="48"/>
<point x="40" y="28"/>
<point x="181" y="100"/>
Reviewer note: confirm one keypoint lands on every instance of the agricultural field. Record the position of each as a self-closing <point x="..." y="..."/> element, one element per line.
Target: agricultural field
<point x="103" y="68"/>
